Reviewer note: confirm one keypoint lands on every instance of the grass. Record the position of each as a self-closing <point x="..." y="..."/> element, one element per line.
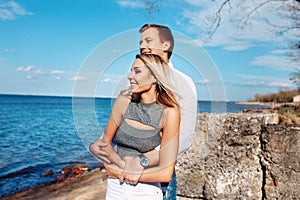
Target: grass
<point x="289" y="114"/>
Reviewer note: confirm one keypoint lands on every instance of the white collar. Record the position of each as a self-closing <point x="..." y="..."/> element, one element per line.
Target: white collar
<point x="171" y="64"/>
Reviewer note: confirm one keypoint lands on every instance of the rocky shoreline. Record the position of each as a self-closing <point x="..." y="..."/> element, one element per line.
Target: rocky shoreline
<point x="90" y="185"/>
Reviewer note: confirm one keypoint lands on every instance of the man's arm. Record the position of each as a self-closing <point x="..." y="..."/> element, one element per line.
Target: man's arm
<point x="189" y="108"/>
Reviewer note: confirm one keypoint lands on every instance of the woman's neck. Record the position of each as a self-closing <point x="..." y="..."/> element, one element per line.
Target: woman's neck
<point x="149" y="96"/>
<point x="148" y="99"/>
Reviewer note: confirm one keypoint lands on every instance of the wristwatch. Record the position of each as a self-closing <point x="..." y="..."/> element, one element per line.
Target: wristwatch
<point x="144" y="161"/>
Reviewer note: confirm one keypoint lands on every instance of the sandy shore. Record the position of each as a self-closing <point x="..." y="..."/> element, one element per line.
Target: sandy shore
<point x="89" y="186"/>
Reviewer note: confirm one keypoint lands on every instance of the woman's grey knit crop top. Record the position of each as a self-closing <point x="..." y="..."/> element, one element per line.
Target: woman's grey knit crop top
<point x="133" y="141"/>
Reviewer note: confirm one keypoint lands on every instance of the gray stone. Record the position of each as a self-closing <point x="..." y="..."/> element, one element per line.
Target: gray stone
<point x="237" y="156"/>
<point x="281" y="162"/>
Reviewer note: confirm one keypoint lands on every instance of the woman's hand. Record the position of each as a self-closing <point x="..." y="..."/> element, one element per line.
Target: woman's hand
<point x="113" y="171"/>
<point x="132" y="171"/>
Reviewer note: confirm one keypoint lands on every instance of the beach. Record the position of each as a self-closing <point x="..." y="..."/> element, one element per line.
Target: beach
<point x="91" y="185"/>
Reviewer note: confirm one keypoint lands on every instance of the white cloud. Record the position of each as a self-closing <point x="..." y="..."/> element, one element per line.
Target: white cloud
<point x="279" y="84"/>
<point x="198" y="3"/>
<point x="274" y="62"/>
<point x="236" y="31"/>
<point x="112" y="78"/>
<point x="265" y="84"/>
<point x="9" y="10"/>
<point x="9" y="49"/>
<point x="205" y="81"/>
<point x="263" y="81"/>
<point x="194" y="43"/>
<point x="260" y="77"/>
<point x="57" y="72"/>
<point x="252" y="83"/>
<point x="77" y="78"/>
<point x="25" y="69"/>
<point x="150" y="7"/>
<point x="35" y="73"/>
<point x="280" y="51"/>
<point x="29" y="68"/>
<point x="106" y="80"/>
<point x="19" y="69"/>
<point x="130" y="4"/>
<point x="39" y="72"/>
<point x="237" y="47"/>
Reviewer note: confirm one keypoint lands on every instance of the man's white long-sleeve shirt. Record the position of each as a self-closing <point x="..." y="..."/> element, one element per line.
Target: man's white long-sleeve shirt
<point x="186" y="89"/>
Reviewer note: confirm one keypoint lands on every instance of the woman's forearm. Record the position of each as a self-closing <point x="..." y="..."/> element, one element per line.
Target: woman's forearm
<point x="158" y="174"/>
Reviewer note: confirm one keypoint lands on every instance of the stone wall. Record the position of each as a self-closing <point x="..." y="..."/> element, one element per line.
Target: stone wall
<point x="281" y="162"/>
<point x="240" y="156"/>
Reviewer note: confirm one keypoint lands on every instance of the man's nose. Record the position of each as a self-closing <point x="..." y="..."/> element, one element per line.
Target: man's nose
<point x="142" y="45"/>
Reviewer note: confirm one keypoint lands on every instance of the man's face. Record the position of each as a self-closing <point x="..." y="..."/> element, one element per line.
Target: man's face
<point x="150" y="43"/>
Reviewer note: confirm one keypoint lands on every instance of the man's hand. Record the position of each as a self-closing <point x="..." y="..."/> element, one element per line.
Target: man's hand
<point x="113" y="171"/>
<point x="132" y="171"/>
<point x="96" y="150"/>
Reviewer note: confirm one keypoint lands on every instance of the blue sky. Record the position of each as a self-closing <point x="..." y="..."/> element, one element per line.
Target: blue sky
<point x="45" y="44"/>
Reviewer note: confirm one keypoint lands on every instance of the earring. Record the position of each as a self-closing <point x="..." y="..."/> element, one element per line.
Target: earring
<point x="159" y="86"/>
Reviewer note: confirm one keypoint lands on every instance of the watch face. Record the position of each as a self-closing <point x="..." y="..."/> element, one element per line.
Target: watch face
<point x="144" y="161"/>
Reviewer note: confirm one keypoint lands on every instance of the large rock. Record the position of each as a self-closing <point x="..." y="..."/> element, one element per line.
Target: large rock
<point x="224" y="159"/>
<point x="281" y="162"/>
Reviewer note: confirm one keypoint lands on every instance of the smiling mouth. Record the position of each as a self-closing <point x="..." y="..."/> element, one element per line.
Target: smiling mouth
<point x="146" y="52"/>
<point x="133" y="86"/>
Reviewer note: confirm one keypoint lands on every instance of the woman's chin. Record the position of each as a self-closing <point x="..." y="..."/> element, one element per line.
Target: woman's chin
<point x="134" y="89"/>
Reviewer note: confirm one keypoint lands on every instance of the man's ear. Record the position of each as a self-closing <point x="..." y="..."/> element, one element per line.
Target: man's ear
<point x="166" y="45"/>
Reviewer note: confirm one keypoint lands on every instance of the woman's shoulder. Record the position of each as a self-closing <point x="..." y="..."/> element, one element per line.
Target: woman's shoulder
<point x="172" y="111"/>
<point x="121" y="103"/>
<point x="123" y="99"/>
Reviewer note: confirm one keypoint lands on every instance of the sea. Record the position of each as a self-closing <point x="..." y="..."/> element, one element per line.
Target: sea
<point x="41" y="135"/>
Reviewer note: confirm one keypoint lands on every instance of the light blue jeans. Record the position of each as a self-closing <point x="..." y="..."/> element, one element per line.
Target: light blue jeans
<point x="169" y="189"/>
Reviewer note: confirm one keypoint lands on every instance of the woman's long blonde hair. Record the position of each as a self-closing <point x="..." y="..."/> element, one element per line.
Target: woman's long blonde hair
<point x="166" y="94"/>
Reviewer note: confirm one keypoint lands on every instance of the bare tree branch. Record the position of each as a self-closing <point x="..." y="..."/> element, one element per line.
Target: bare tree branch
<point x="151" y="7"/>
<point x="290" y="10"/>
<point x="217" y="20"/>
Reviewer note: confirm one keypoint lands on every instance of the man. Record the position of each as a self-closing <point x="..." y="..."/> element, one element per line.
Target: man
<point x="157" y="39"/>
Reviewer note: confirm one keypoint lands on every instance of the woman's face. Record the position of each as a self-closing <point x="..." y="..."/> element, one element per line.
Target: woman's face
<point x="140" y="78"/>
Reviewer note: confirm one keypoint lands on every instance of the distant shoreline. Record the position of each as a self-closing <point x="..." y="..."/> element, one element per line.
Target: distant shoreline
<point x="269" y="104"/>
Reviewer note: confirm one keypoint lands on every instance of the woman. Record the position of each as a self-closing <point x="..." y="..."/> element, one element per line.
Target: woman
<point x="142" y="118"/>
